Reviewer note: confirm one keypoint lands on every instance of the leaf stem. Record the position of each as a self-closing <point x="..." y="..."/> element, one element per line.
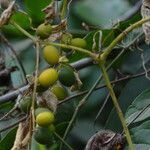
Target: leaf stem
<point x="116" y="104"/>
<point x="23" y="31"/>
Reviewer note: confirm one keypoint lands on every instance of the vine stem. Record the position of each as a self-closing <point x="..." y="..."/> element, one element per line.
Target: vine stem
<point x="116" y="104"/>
<point x="64" y="8"/>
<point x="119" y="38"/>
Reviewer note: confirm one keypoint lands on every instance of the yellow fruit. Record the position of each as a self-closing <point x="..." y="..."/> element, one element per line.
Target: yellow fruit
<point x="40" y="110"/>
<point x="48" y="77"/>
<point x="78" y="42"/>
<point x="59" y="91"/>
<point x="51" y="54"/>
<point x="45" y="118"/>
<point x="44" y="30"/>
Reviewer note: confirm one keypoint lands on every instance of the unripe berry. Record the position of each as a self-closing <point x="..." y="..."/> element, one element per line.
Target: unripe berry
<point x="25" y="104"/>
<point x="48" y="77"/>
<point x="44" y="30"/>
<point x="45" y="118"/>
<point x="43" y="134"/>
<point x="66" y="38"/>
<point x="66" y="76"/>
<point x="51" y="54"/>
<point x="78" y="42"/>
<point x="59" y="91"/>
<point x="40" y="110"/>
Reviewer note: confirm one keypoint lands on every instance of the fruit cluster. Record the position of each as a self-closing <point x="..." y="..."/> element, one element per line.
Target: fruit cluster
<point x="55" y="79"/>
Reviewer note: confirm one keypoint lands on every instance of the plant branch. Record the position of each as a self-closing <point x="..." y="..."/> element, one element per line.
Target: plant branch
<point x="118" y="109"/>
<point x="13" y="125"/>
<point x="119" y="38"/>
<point x="131" y="12"/>
<point x="13" y="94"/>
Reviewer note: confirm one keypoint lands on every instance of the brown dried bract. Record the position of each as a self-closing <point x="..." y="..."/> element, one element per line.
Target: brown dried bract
<point x="5" y="16"/>
<point x="105" y="140"/>
<point x="145" y="11"/>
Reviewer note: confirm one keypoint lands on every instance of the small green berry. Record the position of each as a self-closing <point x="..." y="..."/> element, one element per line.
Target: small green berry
<point x="78" y="42"/>
<point x="44" y="30"/>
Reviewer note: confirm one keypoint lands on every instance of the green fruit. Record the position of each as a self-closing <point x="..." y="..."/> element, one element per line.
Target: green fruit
<point x="44" y="31"/>
<point x="45" y="118"/>
<point x="78" y="42"/>
<point x="59" y="91"/>
<point x="66" y="76"/>
<point x="41" y="89"/>
<point x="51" y="54"/>
<point x="48" y="77"/>
<point x="66" y="38"/>
<point x="43" y="135"/>
<point x="25" y="104"/>
<point x="40" y="110"/>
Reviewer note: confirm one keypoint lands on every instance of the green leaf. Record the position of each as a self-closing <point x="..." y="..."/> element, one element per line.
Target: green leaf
<point x="102" y="13"/>
<point x="61" y="127"/>
<point x="34" y="9"/>
<point x="8" y="141"/>
<point x="21" y="19"/>
<point x="131" y="90"/>
<point x="142" y="101"/>
<point x="141" y="134"/>
<point x="133" y="62"/>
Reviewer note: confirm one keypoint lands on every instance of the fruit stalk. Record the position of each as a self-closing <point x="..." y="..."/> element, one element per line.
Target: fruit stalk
<point x="84" y="51"/>
<point x="116" y="104"/>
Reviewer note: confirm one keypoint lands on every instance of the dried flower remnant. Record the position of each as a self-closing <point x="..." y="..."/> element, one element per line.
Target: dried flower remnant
<point x="145" y="11"/>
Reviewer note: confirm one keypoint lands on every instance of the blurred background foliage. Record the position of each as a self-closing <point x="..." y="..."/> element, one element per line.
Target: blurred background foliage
<point x="134" y="94"/>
